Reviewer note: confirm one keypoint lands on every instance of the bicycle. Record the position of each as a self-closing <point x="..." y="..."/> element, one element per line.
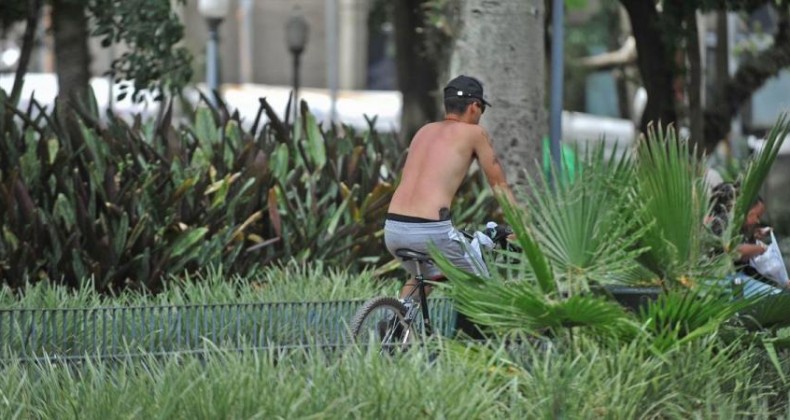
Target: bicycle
<point x="395" y="323"/>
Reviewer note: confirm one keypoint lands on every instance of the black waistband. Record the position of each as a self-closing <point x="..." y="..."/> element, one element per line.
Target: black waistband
<point x="410" y="219"/>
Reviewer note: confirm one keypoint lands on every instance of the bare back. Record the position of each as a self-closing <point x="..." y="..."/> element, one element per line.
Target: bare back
<point x="439" y="158"/>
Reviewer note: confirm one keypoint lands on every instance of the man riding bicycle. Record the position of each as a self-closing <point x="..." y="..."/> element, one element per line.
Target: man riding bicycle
<point x="438" y="160"/>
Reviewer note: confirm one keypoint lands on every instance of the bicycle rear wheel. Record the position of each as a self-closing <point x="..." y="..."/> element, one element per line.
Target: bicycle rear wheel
<point x="382" y="320"/>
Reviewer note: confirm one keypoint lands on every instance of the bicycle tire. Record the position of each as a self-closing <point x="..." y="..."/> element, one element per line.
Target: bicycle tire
<point x="358" y="322"/>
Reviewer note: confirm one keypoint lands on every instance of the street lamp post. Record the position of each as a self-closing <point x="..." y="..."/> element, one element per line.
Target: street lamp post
<point x="557" y="65"/>
<point x="297" y="30"/>
<point x="214" y="11"/>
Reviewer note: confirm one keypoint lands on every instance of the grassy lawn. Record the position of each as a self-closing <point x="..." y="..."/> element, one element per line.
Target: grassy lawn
<point x="447" y="380"/>
<point x="567" y="377"/>
<point x="288" y="283"/>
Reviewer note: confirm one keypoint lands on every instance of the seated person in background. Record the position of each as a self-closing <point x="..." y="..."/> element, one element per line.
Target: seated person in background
<point x="754" y="237"/>
<point x="754" y="234"/>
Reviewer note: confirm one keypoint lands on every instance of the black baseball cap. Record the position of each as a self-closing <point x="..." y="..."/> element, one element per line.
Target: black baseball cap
<point x="466" y="87"/>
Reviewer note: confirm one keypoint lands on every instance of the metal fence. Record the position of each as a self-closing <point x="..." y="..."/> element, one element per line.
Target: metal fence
<point x="117" y="332"/>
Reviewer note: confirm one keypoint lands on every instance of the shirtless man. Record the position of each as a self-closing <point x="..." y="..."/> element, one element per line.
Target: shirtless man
<point x="439" y="158"/>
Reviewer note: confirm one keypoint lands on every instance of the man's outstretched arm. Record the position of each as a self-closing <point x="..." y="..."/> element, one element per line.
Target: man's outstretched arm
<point x="488" y="161"/>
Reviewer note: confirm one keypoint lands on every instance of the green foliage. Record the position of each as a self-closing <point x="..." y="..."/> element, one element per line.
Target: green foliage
<point x="289" y="282"/>
<point x="149" y="28"/>
<point x="577" y="237"/>
<point x="508" y="307"/>
<point x="296" y="384"/>
<point x="539" y="264"/>
<point x="153" y="29"/>
<point x="132" y="204"/>
<point x="670" y="186"/>
<point x="756" y="173"/>
<point x="570" y="375"/>
<point x="569" y="379"/>
<point x="681" y="316"/>
<point x="588" y="229"/>
<point x="582" y="378"/>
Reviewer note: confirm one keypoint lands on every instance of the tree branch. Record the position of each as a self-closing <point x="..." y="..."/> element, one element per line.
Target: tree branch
<point x="28" y="42"/>
<point x="624" y="55"/>
<point x="750" y="76"/>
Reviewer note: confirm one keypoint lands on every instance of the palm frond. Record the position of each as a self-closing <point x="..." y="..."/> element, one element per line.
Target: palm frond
<point x="589" y="229"/>
<point x="670" y="186"/>
<point x="771" y="311"/>
<point x="522" y="307"/>
<point x="756" y="173"/>
<point x="679" y="316"/>
<point x="519" y="222"/>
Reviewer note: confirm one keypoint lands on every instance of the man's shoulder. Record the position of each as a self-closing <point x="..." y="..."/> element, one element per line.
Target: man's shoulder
<point x="456" y="131"/>
<point x="473" y="131"/>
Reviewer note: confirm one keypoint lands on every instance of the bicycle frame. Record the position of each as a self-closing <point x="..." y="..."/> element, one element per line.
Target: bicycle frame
<point x="423" y="304"/>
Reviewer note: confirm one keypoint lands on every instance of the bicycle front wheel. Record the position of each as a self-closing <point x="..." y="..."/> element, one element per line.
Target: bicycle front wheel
<point x="382" y="320"/>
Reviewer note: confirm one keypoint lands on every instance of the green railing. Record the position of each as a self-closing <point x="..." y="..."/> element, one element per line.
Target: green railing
<point x="118" y="332"/>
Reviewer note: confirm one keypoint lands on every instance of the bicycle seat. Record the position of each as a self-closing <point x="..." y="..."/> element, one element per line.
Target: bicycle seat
<point x="406" y="254"/>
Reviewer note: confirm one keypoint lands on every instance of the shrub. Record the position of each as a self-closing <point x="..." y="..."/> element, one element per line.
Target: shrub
<point x="130" y="204"/>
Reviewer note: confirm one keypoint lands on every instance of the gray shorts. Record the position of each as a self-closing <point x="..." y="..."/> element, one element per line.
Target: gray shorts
<point x="446" y="238"/>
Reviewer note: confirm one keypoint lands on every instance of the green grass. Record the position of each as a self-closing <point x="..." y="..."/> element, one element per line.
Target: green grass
<point x="230" y="312"/>
<point x="571" y="376"/>
<point x="253" y="385"/>
<point x="579" y="380"/>
<point x="292" y="282"/>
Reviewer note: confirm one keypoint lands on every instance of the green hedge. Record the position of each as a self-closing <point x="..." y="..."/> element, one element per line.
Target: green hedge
<point x="131" y="204"/>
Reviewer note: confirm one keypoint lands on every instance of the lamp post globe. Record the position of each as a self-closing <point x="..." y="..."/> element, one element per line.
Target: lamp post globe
<point x="297" y="32"/>
<point x="214" y="11"/>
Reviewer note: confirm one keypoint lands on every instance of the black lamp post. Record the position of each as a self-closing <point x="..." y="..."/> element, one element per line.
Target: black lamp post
<point x="214" y="11"/>
<point x="297" y="30"/>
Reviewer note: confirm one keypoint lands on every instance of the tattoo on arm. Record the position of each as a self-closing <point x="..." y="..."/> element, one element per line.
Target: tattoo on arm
<point x="491" y="143"/>
<point x="488" y="139"/>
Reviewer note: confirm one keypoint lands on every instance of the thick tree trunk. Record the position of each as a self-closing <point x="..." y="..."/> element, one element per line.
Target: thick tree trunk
<point x="70" y="27"/>
<point x="418" y="74"/>
<point x="655" y="62"/>
<point x="501" y="43"/>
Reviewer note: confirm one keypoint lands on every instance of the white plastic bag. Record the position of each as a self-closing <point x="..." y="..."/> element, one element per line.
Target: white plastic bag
<point x="771" y="264"/>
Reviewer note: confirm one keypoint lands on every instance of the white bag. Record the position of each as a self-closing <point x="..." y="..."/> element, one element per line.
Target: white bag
<point x="770" y="264"/>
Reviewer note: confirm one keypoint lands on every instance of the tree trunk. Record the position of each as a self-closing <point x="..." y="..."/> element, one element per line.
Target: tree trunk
<point x="501" y="43"/>
<point x="418" y="75"/>
<point x="655" y="62"/>
<point x="722" y="71"/>
<point x="696" y="114"/>
<point x="69" y="25"/>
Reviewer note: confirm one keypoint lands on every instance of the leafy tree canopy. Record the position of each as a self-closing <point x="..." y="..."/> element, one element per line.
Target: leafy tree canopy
<point x="149" y="28"/>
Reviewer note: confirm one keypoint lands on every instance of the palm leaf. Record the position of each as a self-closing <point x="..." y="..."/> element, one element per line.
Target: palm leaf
<point x="670" y="186"/>
<point x="522" y="306"/>
<point x="771" y="311"/>
<point x="589" y="229"/>
<point x="518" y="221"/>
<point x="756" y="173"/>
<point x="680" y="316"/>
